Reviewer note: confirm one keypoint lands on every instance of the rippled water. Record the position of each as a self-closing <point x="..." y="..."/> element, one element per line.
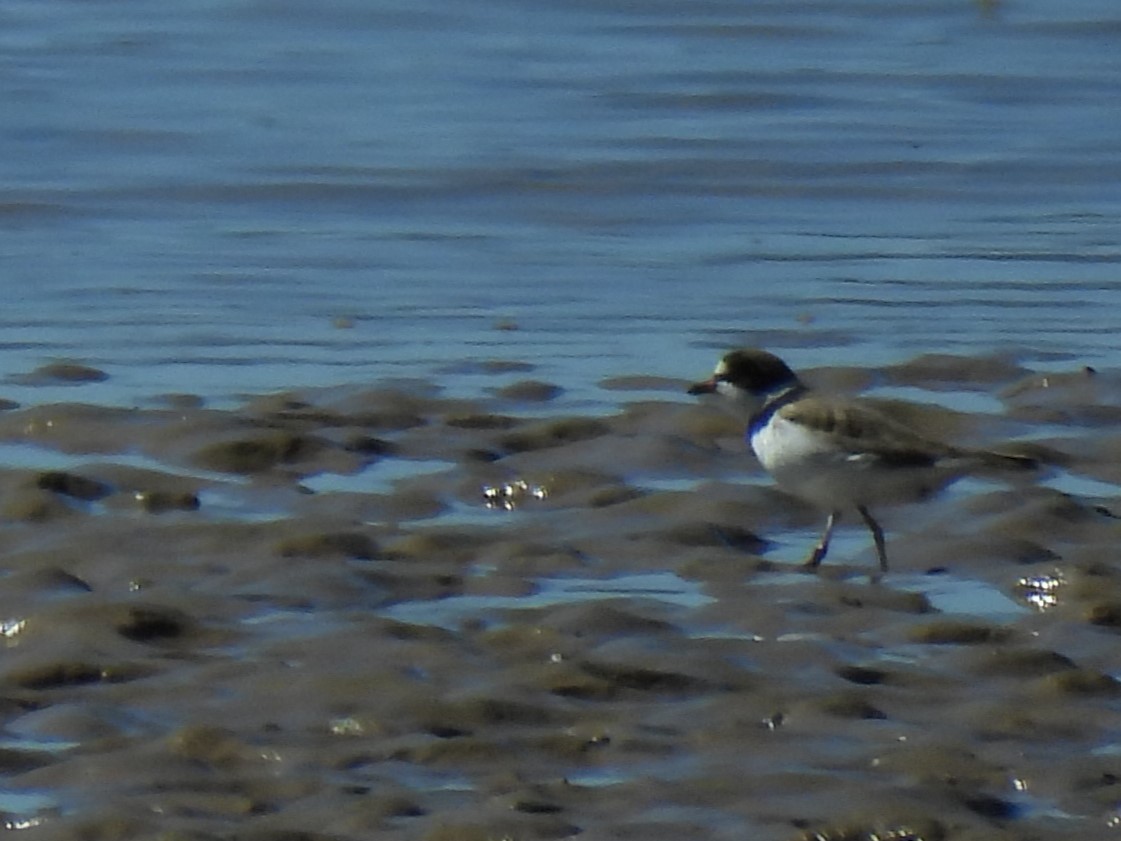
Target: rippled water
<point x="229" y="197"/>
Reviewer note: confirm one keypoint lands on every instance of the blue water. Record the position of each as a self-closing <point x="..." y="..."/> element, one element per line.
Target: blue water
<point x="231" y="197"/>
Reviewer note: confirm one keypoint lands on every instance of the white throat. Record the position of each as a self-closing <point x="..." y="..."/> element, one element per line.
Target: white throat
<point x="740" y="400"/>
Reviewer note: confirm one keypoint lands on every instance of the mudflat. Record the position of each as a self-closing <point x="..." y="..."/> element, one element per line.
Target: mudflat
<point x="360" y="612"/>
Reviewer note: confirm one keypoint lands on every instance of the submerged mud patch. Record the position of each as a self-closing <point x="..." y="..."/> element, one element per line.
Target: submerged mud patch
<point x="341" y="613"/>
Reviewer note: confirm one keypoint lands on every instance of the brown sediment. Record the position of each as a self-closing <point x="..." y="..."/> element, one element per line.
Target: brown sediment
<point x="956" y="372"/>
<point x="553" y="433"/>
<point x="532" y="391"/>
<point x="379" y="612"/>
<point x="62" y="371"/>
<point x="327" y="544"/>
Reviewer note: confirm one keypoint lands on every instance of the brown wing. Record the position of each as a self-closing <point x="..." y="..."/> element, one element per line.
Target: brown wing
<point x="864" y="432"/>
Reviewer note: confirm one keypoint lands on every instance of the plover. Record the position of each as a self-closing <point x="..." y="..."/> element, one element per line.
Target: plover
<point x="842" y="455"/>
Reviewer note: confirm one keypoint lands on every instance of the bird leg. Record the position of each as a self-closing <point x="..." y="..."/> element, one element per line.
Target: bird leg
<point x="877" y="536"/>
<point x="818" y="554"/>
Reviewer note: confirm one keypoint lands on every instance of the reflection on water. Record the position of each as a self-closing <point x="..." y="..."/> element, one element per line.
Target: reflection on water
<point x="452" y="612"/>
<point x="947" y="594"/>
<point x="952" y="595"/>
<point x="1042" y="592"/>
<point x="20" y="808"/>
<point x="45" y="745"/>
<point x="378" y="477"/>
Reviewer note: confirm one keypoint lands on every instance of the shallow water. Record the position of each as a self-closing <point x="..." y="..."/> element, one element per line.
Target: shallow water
<point x="226" y="200"/>
<point x="445" y="232"/>
<point x="454" y="612"/>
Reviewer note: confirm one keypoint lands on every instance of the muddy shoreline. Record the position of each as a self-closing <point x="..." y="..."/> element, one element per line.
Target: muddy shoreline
<point x="349" y="612"/>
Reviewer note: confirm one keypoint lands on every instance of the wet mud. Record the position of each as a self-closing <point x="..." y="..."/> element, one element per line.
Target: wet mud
<point x="382" y="612"/>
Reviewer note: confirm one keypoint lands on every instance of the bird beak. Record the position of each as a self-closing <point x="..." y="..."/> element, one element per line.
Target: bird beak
<point x="703" y="387"/>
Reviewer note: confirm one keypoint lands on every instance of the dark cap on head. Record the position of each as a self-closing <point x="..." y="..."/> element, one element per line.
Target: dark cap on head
<point x="750" y="369"/>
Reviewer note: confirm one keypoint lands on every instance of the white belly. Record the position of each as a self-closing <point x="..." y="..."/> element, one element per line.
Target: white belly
<point x="809" y="464"/>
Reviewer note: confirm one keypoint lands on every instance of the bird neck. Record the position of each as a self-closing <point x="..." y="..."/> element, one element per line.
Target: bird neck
<point x="783" y="397"/>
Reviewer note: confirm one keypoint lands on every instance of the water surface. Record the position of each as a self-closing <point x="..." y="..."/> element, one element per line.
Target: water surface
<point x="198" y="199"/>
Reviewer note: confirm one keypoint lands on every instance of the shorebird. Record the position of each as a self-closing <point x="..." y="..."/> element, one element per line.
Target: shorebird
<point x="842" y="455"/>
